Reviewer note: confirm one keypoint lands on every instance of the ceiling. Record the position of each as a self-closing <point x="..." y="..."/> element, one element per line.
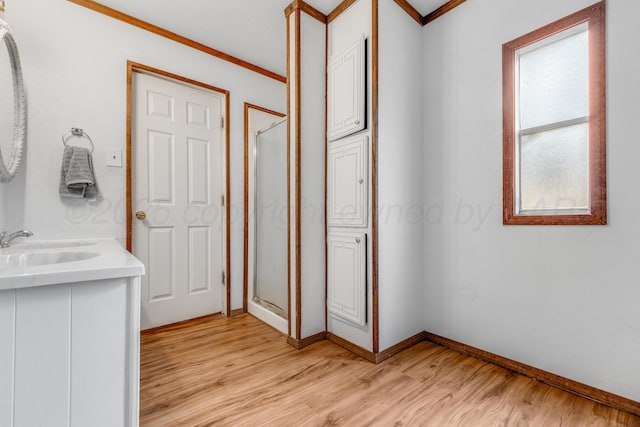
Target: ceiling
<point x="252" y="30"/>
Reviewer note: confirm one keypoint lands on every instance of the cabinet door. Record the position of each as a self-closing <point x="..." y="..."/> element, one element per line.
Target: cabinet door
<point x="346" y="94"/>
<point x="347" y="280"/>
<point x="347" y="187"/>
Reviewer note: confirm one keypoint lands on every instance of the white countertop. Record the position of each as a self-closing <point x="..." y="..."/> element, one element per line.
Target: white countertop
<point x="106" y="259"/>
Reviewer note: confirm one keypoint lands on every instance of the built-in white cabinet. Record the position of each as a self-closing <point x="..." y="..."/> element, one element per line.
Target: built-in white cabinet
<point x="391" y="170"/>
<point x="69" y="354"/>
<point x="346" y="91"/>
<point x="347" y="182"/>
<point x="346" y="282"/>
<point x="69" y="334"/>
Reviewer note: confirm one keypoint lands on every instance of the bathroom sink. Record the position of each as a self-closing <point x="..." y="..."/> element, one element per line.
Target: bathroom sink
<point x="49" y="245"/>
<point x="22" y="260"/>
<point x="65" y="261"/>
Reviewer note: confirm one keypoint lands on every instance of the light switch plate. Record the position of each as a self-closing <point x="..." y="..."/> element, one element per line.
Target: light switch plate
<point x="114" y="157"/>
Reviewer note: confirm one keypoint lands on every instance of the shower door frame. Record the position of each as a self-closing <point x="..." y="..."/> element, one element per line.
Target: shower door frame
<point x="258" y="118"/>
<point x="255" y="217"/>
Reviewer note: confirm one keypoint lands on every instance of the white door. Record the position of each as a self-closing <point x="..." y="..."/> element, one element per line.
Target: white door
<point x="177" y="182"/>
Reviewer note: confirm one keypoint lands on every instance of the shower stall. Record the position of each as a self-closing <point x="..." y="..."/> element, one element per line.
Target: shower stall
<point x="268" y="293"/>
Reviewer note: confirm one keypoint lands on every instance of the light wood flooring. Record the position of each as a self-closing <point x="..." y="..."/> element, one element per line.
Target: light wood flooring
<point x="241" y="372"/>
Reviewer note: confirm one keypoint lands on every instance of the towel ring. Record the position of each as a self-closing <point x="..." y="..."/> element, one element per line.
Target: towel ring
<point x="77" y="132"/>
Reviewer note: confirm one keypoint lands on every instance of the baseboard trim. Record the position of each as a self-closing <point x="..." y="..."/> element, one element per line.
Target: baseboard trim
<point x="305" y="342"/>
<point x="356" y="349"/>
<point x="381" y="356"/>
<point x="237" y="312"/>
<point x="180" y="324"/>
<point x="401" y="346"/>
<point x="566" y="384"/>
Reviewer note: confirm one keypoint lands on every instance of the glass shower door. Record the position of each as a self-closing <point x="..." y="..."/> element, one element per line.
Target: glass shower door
<point x="270" y="280"/>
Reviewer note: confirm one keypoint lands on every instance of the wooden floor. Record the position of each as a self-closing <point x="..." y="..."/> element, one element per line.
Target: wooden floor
<point x="241" y="372"/>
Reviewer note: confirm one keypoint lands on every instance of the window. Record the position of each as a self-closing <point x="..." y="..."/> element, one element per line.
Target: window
<point x="554" y="140"/>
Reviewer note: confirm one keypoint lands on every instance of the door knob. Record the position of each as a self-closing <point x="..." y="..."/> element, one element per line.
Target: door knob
<point x="141" y="215"/>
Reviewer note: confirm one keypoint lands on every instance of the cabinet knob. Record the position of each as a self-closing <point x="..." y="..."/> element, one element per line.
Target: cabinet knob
<point x="141" y="215"/>
<point x="357" y="122"/>
<point x="361" y="180"/>
<point x="357" y="240"/>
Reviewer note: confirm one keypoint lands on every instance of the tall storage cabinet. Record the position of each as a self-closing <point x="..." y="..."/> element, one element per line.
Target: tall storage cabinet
<point x="374" y="180"/>
<point x="349" y="172"/>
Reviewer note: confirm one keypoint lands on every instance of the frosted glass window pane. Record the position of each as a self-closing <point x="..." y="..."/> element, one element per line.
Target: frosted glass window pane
<point x="554" y="82"/>
<point x="554" y="169"/>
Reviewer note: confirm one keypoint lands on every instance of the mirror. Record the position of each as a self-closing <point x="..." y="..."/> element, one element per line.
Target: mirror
<point x="12" y="106"/>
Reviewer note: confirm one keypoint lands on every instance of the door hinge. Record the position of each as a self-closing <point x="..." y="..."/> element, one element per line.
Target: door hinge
<point x="224" y="278"/>
<point x="221" y="122"/>
<point x="222" y="199"/>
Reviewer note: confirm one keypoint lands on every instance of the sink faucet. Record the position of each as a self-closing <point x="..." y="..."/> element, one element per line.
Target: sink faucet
<point x="5" y="240"/>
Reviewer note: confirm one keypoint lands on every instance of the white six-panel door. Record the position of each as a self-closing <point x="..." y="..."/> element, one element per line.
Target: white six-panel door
<point x="177" y="174"/>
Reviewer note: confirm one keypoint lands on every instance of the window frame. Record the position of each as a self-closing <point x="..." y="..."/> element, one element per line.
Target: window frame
<point x="594" y="17"/>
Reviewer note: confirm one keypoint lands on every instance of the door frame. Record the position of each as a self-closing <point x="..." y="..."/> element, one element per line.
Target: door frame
<point x="226" y="228"/>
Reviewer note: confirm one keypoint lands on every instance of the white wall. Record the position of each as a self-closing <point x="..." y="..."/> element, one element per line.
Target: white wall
<point x="74" y="66"/>
<point x="12" y="210"/>
<point x="312" y="110"/>
<point x="6" y="118"/>
<point x="312" y="153"/>
<point x="2" y="208"/>
<point x="346" y="28"/>
<point x="400" y="176"/>
<point x="563" y="299"/>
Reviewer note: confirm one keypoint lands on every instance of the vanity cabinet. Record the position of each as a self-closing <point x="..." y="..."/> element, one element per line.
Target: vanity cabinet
<point x="69" y="340"/>
<point x="346" y="280"/>
<point x="347" y="183"/>
<point x="69" y="354"/>
<point x="346" y="91"/>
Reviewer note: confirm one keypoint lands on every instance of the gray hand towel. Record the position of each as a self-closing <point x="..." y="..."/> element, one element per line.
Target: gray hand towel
<point x="77" y="179"/>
